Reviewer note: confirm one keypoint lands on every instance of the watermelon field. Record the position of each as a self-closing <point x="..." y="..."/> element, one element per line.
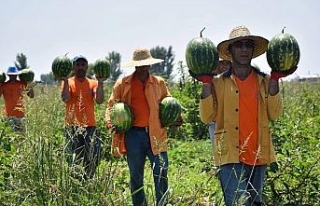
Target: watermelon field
<point x="34" y="170"/>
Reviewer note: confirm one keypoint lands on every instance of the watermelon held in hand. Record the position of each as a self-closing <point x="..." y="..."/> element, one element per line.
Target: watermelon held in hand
<point x="26" y="75"/>
<point x="101" y="68"/>
<point x="283" y="52"/>
<point x="3" y="77"/>
<point x="121" y="116"/>
<point x="170" y="110"/>
<point x="61" y="66"/>
<point x="201" y="55"/>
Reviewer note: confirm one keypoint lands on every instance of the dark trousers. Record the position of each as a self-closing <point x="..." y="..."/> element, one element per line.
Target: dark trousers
<point x="85" y="148"/>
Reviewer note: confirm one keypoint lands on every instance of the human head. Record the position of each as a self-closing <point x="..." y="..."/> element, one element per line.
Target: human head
<point x="238" y="34"/>
<point x="141" y="57"/>
<point x="80" y="66"/>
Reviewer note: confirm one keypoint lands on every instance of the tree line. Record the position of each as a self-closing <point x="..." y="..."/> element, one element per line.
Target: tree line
<point x="164" y="69"/>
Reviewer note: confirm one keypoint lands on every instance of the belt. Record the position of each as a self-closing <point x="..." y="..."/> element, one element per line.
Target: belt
<point x="144" y="129"/>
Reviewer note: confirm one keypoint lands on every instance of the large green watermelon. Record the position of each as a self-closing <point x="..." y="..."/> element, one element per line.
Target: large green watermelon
<point x="283" y="52"/>
<point x="202" y="55"/>
<point x="61" y="66"/>
<point x="3" y="77"/>
<point x="121" y="116"/>
<point x="101" y="68"/>
<point x="170" y="110"/>
<point x="26" y="75"/>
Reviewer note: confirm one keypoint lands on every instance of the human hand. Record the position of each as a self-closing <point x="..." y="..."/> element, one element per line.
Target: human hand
<point x="101" y="80"/>
<point x="113" y="128"/>
<point x="204" y="78"/>
<point x="178" y="122"/>
<point x="62" y="78"/>
<point x="276" y="75"/>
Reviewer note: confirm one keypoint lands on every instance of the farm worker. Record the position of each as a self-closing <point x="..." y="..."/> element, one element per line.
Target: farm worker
<point x="242" y="101"/>
<point x="143" y="92"/>
<point x="80" y="94"/>
<point x="13" y="92"/>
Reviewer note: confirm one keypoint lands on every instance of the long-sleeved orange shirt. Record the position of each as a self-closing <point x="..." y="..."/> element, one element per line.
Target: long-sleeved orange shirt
<point x="155" y="90"/>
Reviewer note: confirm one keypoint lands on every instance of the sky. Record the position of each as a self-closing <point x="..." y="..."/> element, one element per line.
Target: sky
<point x="43" y="30"/>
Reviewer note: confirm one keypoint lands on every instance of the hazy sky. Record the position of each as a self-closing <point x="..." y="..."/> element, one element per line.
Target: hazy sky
<point x="44" y="29"/>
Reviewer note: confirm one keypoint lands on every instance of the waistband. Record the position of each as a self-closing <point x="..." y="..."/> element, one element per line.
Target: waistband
<point x="145" y="129"/>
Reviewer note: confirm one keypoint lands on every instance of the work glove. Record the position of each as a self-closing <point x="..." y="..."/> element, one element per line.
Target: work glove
<point x="204" y="78"/>
<point x="276" y="75"/>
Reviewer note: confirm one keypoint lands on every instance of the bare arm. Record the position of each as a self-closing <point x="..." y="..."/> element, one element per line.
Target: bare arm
<point x="100" y="92"/>
<point x="65" y="93"/>
<point x="273" y="87"/>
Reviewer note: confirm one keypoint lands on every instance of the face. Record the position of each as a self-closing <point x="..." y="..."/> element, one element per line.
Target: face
<point x="142" y="69"/>
<point x="242" y="51"/>
<point x="80" y="68"/>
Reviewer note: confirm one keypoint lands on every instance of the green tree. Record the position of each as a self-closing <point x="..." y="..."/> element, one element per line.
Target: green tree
<point x="47" y="78"/>
<point x="21" y="61"/>
<point x="114" y="58"/>
<point x="165" y="68"/>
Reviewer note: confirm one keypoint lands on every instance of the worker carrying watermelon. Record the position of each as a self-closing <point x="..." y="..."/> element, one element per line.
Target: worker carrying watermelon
<point x="145" y="137"/>
<point x="80" y="94"/>
<point x="242" y="101"/>
<point x="13" y="92"/>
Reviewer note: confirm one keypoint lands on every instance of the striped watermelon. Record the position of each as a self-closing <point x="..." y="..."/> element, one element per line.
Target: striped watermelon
<point x="26" y="75"/>
<point x="61" y="66"/>
<point x="202" y="55"/>
<point x="101" y="68"/>
<point x="3" y="77"/>
<point x="170" y="110"/>
<point x="121" y="116"/>
<point x="283" y="52"/>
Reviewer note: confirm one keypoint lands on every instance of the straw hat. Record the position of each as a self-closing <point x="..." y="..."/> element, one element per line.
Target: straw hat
<point x="141" y="57"/>
<point x="13" y="71"/>
<point x="240" y="33"/>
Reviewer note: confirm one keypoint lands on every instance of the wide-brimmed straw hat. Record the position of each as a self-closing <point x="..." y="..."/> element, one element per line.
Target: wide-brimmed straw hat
<point x="240" y="33"/>
<point x="141" y="57"/>
<point x="13" y="71"/>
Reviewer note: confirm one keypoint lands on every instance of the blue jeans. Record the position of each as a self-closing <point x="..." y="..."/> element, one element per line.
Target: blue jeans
<point x="138" y="148"/>
<point x="242" y="183"/>
<point x="84" y="143"/>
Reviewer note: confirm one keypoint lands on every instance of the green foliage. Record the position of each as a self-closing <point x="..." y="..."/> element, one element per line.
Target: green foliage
<point x="165" y="68"/>
<point x="21" y="61"/>
<point x="115" y="60"/>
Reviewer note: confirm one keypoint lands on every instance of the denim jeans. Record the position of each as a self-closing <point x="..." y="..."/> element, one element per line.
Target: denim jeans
<point x="138" y="149"/>
<point x="85" y="148"/>
<point x="242" y="184"/>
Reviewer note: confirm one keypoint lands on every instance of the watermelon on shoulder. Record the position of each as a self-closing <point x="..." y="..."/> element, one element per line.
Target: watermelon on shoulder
<point x="201" y="55"/>
<point x="283" y="52"/>
<point x="3" y="77"/>
<point x="26" y="75"/>
<point x="170" y="110"/>
<point x="121" y="116"/>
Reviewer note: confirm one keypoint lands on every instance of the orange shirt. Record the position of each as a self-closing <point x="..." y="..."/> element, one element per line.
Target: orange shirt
<point x="80" y="107"/>
<point x="139" y="104"/>
<point x="13" y="98"/>
<point x="248" y="118"/>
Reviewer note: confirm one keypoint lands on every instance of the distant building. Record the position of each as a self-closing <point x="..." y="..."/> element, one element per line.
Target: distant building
<point x="307" y="78"/>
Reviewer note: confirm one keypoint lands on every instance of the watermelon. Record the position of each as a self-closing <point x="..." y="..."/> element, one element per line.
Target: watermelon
<point x="170" y="110"/>
<point x="61" y="66"/>
<point x="101" y="68"/>
<point x="283" y="52"/>
<point x="3" y="77"/>
<point x="121" y="116"/>
<point x="201" y="55"/>
<point x="26" y="75"/>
